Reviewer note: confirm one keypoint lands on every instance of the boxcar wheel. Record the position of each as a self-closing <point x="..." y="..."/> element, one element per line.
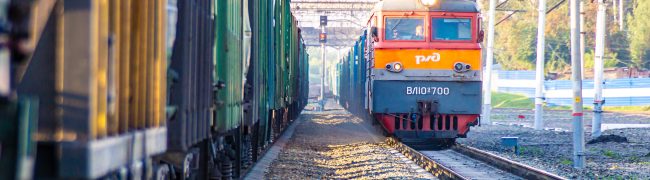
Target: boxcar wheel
<point x="162" y="172"/>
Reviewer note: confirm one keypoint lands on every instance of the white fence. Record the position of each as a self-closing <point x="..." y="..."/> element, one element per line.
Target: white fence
<point x="616" y="92"/>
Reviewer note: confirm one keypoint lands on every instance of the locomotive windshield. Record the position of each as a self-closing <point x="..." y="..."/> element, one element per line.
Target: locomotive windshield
<point x="455" y="29"/>
<point x="404" y="29"/>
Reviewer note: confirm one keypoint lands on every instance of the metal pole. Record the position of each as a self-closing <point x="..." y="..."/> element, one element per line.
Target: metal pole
<point x="583" y="34"/>
<point x="539" y="99"/>
<point x="322" y="78"/>
<point x="621" y="13"/>
<point x="615" y="10"/>
<point x="578" y="134"/>
<point x="598" y="68"/>
<point x="487" y="99"/>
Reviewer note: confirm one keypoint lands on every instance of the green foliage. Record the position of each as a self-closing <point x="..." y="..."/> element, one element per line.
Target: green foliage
<point x="515" y="42"/>
<point x="640" y="34"/>
<point x="610" y="60"/>
<point x="619" y="43"/>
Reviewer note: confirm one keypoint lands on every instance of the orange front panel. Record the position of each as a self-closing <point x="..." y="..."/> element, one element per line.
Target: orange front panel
<point x="427" y="58"/>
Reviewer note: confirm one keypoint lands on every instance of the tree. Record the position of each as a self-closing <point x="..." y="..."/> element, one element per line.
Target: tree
<point x="640" y="34"/>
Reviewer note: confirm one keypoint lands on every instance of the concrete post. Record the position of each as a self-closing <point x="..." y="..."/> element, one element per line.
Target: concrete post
<point x="601" y="26"/>
<point x="487" y="101"/>
<point x="578" y="134"/>
<point x="539" y="96"/>
<point x="583" y="34"/>
<point x="322" y="78"/>
<point x="621" y="13"/>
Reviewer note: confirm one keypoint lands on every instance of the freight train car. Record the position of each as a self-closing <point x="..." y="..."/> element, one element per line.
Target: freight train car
<point x="178" y="89"/>
<point x="422" y="80"/>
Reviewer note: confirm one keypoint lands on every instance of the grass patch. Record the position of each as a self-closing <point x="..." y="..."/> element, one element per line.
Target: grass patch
<point x="566" y="162"/>
<point x="643" y="109"/>
<point x="535" y="151"/>
<point x="610" y="154"/>
<point x="506" y="100"/>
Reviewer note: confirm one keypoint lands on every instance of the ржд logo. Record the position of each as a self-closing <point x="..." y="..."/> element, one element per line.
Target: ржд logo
<point x="434" y="57"/>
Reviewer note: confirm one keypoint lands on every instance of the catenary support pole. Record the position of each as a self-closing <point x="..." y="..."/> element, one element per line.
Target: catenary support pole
<point x="487" y="101"/>
<point x="615" y="9"/>
<point x="583" y="34"/>
<point x="576" y="78"/>
<point x="621" y="13"/>
<point x="539" y="68"/>
<point x="322" y="78"/>
<point x="598" y="68"/>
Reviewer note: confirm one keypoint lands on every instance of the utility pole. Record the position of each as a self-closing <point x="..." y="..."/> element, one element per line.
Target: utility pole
<point x="539" y="67"/>
<point x="583" y="34"/>
<point x="323" y="40"/>
<point x="615" y="10"/>
<point x="598" y="68"/>
<point x="322" y="78"/>
<point x="621" y="13"/>
<point x="487" y="99"/>
<point x="578" y="134"/>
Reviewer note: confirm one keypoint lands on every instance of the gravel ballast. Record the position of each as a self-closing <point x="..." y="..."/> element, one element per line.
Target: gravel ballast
<point x="619" y="154"/>
<point x="336" y="145"/>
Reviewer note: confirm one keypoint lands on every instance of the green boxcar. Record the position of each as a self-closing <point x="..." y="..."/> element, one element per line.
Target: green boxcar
<point x="18" y="123"/>
<point x="228" y="64"/>
<point x="259" y="29"/>
<point x="263" y="74"/>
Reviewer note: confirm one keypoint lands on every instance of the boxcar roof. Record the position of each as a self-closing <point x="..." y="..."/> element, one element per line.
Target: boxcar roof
<point x="414" y="5"/>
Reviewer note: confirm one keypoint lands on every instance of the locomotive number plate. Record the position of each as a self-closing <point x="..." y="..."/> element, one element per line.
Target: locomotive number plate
<point x="440" y="91"/>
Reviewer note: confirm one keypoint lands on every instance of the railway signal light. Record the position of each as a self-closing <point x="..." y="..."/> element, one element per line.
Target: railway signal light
<point x="323" y="20"/>
<point x="322" y="38"/>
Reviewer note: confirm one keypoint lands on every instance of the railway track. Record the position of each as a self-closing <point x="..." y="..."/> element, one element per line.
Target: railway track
<point x="463" y="162"/>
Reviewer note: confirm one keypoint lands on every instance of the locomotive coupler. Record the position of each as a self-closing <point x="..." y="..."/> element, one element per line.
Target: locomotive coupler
<point x="428" y="107"/>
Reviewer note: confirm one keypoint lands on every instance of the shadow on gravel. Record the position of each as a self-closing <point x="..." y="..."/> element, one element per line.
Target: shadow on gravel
<point x="608" y="138"/>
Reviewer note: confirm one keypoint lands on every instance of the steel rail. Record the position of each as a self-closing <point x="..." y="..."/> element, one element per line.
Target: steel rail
<point x="443" y="172"/>
<point x="507" y="165"/>
<point x="435" y="168"/>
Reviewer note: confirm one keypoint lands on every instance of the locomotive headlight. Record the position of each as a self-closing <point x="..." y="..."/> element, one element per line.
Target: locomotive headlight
<point x="461" y="67"/>
<point x="428" y="3"/>
<point x="394" y="67"/>
<point x="398" y="67"/>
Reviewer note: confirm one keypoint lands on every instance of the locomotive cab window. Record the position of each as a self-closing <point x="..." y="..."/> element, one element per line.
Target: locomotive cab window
<point x="451" y="29"/>
<point x="405" y="29"/>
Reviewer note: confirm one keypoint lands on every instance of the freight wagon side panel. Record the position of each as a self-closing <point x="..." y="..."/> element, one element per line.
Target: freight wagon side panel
<point x="191" y="70"/>
<point x="90" y="58"/>
<point x="229" y="65"/>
